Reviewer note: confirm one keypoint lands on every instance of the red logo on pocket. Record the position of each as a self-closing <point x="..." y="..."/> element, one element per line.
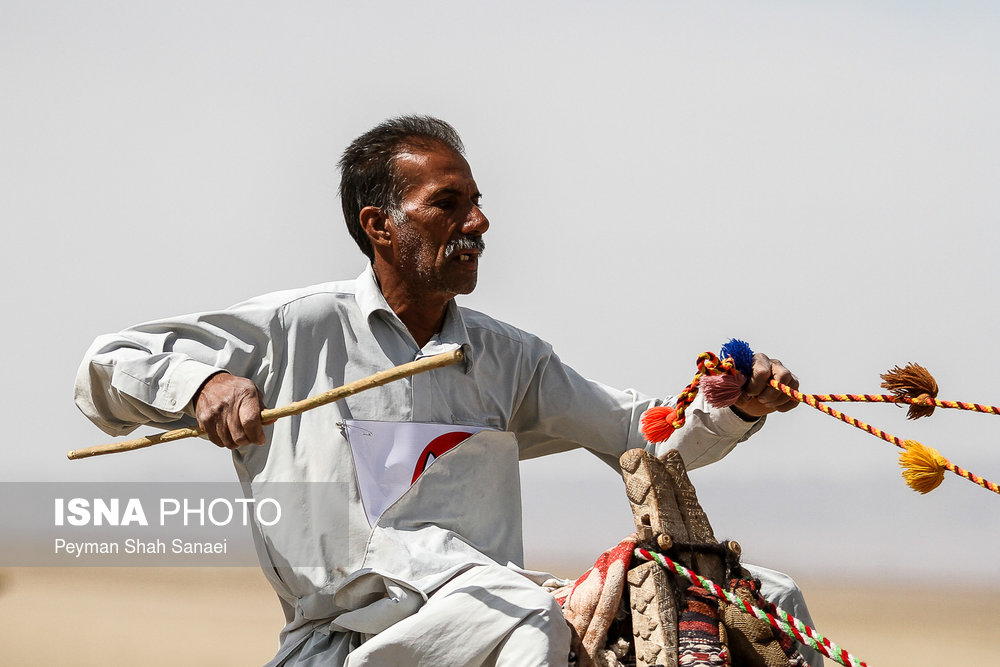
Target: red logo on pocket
<point x="436" y="448"/>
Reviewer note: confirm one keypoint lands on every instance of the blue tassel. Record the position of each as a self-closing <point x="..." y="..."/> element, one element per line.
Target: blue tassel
<point x="742" y="355"/>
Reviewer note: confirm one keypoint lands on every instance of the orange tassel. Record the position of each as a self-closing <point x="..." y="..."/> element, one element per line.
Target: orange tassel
<point x="923" y="467"/>
<point x="657" y="424"/>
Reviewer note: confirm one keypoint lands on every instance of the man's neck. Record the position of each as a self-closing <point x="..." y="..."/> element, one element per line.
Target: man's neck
<point x="422" y="322"/>
<point x="422" y="314"/>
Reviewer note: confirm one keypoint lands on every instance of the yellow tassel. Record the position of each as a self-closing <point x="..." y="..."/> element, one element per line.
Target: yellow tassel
<point x="923" y="467"/>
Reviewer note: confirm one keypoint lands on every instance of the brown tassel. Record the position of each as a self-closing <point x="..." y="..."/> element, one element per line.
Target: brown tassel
<point x="914" y="382"/>
<point x="923" y="467"/>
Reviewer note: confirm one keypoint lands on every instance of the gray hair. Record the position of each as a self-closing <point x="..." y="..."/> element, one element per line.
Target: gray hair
<point x="368" y="167"/>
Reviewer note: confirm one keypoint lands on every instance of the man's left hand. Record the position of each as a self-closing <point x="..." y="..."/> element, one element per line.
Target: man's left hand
<point x="759" y="397"/>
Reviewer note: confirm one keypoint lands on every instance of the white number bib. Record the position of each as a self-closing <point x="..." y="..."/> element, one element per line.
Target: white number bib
<point x="390" y="456"/>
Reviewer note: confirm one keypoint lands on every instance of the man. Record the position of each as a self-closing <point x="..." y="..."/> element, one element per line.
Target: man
<point x="411" y="553"/>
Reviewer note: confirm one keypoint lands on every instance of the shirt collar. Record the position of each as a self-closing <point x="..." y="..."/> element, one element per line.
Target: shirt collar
<point x="368" y="294"/>
<point x="453" y="333"/>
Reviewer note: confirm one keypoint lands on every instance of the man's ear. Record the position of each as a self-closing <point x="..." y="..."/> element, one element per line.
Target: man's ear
<point x="378" y="225"/>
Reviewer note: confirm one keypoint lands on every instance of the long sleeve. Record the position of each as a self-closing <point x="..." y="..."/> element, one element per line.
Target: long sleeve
<point x="149" y="373"/>
<point x="561" y="410"/>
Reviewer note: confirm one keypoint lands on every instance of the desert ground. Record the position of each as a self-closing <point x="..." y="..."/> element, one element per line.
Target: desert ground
<point x="229" y="616"/>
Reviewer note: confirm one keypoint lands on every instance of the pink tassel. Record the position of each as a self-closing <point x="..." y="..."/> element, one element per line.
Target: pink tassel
<point x="721" y="391"/>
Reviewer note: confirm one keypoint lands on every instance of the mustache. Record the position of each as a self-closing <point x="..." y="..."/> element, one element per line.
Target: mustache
<point x="472" y="242"/>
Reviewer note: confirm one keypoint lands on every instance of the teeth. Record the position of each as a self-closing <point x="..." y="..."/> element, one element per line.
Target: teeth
<point x="464" y="258"/>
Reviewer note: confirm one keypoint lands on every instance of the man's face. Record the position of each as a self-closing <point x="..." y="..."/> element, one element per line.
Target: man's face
<point x="436" y="245"/>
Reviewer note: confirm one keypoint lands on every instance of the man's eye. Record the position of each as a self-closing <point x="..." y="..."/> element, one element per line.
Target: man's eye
<point x="445" y="205"/>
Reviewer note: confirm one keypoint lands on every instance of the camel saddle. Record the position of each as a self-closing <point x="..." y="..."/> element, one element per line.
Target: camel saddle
<point x="627" y="611"/>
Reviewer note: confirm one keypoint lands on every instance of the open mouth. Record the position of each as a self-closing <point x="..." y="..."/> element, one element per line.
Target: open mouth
<point x="465" y="250"/>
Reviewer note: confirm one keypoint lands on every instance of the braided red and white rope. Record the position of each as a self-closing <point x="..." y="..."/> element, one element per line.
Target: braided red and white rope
<point x="785" y="622"/>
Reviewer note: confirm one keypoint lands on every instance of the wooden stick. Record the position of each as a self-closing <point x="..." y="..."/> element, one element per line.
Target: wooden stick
<point x="298" y="407"/>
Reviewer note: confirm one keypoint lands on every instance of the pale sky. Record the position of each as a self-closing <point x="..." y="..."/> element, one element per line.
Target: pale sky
<point x="819" y="179"/>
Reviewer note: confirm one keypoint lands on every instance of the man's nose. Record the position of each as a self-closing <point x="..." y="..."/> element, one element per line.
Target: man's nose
<point x="476" y="222"/>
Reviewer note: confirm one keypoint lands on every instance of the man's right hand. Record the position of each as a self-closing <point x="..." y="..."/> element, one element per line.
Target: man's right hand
<point x="228" y="409"/>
